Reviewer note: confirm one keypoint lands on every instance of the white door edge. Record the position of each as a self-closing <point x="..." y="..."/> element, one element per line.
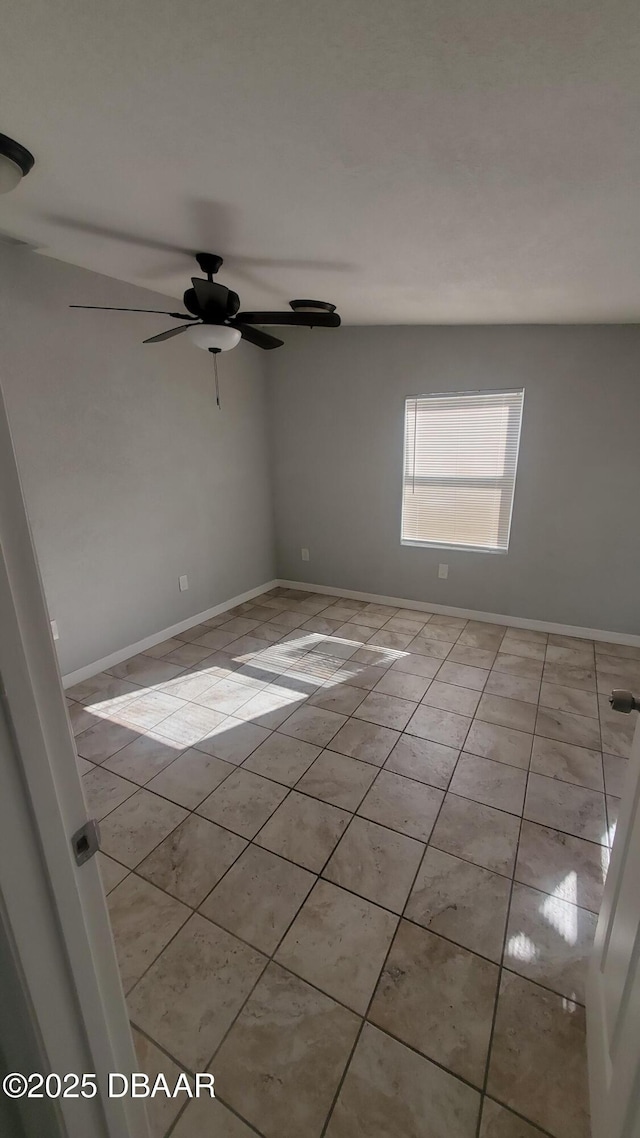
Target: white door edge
<point x="56" y="911"/>
<point x="613" y="983"/>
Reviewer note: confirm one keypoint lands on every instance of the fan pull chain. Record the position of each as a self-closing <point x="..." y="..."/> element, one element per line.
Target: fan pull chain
<point x="215" y="371"/>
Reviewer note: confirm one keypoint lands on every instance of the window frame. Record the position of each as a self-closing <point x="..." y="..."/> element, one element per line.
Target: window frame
<point x="417" y="543"/>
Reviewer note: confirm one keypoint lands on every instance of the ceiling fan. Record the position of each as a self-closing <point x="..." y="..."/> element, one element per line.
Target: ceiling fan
<point x="215" y="322"/>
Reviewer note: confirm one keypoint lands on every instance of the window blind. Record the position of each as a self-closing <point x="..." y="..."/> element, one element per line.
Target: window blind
<point x="460" y="459"/>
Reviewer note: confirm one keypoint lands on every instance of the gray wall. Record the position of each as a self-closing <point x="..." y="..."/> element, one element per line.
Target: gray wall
<point x="133" y="477"/>
<point x="131" y="474"/>
<point x="337" y="433"/>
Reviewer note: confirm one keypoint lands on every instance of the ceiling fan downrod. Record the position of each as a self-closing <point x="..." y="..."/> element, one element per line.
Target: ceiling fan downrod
<point x="210" y="263"/>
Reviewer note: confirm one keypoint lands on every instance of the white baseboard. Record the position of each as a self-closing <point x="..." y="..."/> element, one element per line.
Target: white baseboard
<point x="132" y="649"/>
<point x="471" y="614"/>
<point x="398" y="602"/>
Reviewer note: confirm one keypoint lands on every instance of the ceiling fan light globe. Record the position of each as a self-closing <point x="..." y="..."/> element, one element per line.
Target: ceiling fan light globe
<point x="15" y="162"/>
<point x="10" y="174"/>
<point x="219" y="337"/>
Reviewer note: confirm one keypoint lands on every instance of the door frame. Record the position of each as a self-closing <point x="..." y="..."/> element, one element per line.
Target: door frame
<point x="54" y="911"/>
<point x="613" y="1059"/>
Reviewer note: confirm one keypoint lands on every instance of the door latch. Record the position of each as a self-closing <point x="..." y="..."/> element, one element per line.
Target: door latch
<point x="86" y="841"/>
<point x="622" y="700"/>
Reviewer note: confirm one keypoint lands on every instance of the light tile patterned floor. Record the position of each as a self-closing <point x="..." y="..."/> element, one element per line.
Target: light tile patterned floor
<point x="354" y="857"/>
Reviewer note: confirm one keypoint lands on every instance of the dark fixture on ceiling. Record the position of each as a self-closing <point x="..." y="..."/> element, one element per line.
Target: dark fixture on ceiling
<point x="215" y="321"/>
<point x="15" y="162"/>
<point x="311" y="306"/>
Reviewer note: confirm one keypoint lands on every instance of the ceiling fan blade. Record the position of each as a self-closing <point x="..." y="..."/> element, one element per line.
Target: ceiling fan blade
<point x="255" y="336"/>
<point x="158" y="311"/>
<point x="168" y="334"/>
<point x="295" y="319"/>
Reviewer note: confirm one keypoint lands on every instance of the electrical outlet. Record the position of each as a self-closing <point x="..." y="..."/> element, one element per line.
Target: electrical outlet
<point x="305" y="554"/>
<point x="443" y="572"/>
<point x="183" y="582"/>
<point x="54" y="630"/>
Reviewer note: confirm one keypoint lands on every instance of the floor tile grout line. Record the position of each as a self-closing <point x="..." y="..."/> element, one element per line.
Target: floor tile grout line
<point x="365" y="1018"/>
<point x="404" y="731"/>
<point x="197" y="908"/>
<point x="172" y="1126"/>
<point x="143" y="786"/>
<point x="192" y="913"/>
<point x="385" y="826"/>
<point x="272" y="959"/>
<point x="501" y="968"/>
<point x="191" y="812"/>
<point x="327" y="746"/>
<point x="251" y="841"/>
<point x="203" y="817"/>
<point x="383" y="627"/>
<point x="191" y="910"/>
<point x="267" y="958"/>
<point x="163" y="1049"/>
<point x="517" y="1114"/>
<point x="248" y="698"/>
<point x="258" y="979"/>
<point x="538" y="983"/>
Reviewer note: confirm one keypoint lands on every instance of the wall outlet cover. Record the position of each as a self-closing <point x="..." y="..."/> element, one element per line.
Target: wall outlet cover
<point x="305" y="554"/>
<point x="183" y="583"/>
<point x="443" y="572"/>
<point x="54" y="630"/>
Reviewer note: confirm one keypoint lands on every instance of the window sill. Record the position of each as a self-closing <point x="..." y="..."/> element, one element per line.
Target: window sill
<point x="460" y="548"/>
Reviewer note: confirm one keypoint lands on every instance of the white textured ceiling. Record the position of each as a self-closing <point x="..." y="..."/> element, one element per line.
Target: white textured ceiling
<point x="414" y="161"/>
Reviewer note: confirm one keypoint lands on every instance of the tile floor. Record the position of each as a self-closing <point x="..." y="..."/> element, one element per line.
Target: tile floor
<point x="354" y="857"/>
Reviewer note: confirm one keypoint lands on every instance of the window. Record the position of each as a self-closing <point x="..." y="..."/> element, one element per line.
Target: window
<point x="460" y="459"/>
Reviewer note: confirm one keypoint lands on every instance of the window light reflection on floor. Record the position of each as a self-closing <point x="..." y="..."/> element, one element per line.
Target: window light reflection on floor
<point x="569" y="1005"/>
<point x="293" y="669"/>
<point x="521" y="947"/>
<point x="560" y="911"/>
<point x="610" y="832"/>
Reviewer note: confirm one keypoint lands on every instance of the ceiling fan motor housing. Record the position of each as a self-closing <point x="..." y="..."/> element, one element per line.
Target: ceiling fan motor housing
<point x="230" y="304"/>
<point x="233" y="303"/>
